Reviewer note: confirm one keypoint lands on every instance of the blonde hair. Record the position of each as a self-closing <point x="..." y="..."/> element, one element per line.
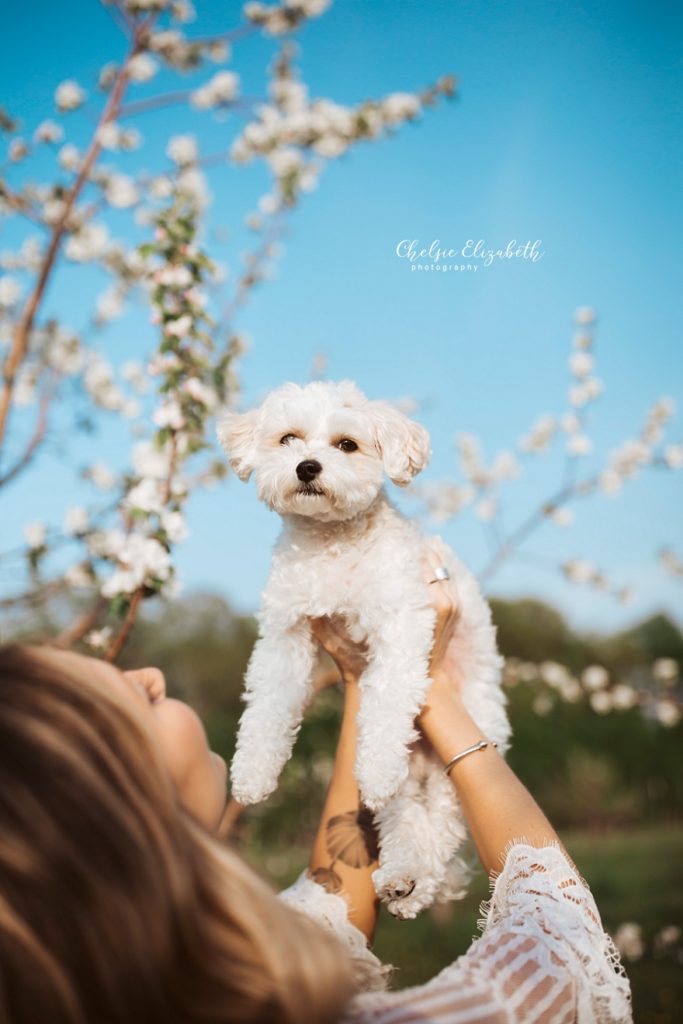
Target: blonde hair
<point x="115" y="907"/>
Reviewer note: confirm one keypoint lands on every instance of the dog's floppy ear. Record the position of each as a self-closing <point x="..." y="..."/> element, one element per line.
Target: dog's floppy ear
<point x="403" y="444"/>
<point x="236" y="432"/>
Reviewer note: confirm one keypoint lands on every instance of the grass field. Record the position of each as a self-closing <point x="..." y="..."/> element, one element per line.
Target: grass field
<point x="634" y="876"/>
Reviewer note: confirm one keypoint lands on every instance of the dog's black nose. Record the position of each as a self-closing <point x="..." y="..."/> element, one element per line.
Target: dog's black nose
<point x="308" y="470"/>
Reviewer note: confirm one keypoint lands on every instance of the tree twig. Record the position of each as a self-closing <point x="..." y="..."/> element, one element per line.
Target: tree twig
<point x="36" y="440"/>
<point x="22" y="334"/>
<point x="119" y="640"/>
<point x="83" y="624"/>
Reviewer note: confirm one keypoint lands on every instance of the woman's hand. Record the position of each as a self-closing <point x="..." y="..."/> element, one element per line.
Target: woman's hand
<point x="351" y="658"/>
<point x="444" y="669"/>
<point x="149" y="681"/>
<point x="332" y="634"/>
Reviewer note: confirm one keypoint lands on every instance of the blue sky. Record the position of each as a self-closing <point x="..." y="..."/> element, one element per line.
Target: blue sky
<point x="567" y="129"/>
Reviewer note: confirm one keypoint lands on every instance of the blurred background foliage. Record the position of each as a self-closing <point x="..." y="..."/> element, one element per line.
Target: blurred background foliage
<point x="611" y="784"/>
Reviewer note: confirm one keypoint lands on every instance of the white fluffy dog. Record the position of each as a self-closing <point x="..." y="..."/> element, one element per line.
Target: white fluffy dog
<point x="319" y="454"/>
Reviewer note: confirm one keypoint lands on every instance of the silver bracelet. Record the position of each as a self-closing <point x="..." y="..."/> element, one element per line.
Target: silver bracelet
<point x="481" y="745"/>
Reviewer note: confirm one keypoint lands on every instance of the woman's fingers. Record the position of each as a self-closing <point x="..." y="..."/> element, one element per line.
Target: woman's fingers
<point x="151" y="680"/>
<point x="442" y="595"/>
<point x="442" y="592"/>
<point x="332" y="634"/>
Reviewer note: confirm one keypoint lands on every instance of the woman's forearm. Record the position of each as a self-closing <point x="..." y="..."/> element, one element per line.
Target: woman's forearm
<point x="496" y="804"/>
<point x="345" y="850"/>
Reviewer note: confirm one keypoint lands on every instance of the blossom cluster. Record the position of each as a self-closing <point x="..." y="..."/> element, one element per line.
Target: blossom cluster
<point x="552" y="682"/>
<point x="123" y="549"/>
<point x="483" y="480"/>
<point x="633" y="946"/>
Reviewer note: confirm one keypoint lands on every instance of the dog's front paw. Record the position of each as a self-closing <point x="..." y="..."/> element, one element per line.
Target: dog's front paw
<point x="399" y="893"/>
<point x="247" y="785"/>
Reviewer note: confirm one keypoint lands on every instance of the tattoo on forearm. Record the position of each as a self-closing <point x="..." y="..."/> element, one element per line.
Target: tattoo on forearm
<point x="352" y="839"/>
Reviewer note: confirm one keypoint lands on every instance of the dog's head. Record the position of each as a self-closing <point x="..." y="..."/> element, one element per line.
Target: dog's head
<point x="322" y="450"/>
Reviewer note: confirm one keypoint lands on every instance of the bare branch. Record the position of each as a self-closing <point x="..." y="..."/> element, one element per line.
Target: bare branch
<point x="83" y="624"/>
<point x="37" y="437"/>
<point x="121" y="637"/>
<point x="22" y="334"/>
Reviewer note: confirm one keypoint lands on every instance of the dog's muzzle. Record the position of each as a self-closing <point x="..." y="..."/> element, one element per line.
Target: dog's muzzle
<point x="308" y="470"/>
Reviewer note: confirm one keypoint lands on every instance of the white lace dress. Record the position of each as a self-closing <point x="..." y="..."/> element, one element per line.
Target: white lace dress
<point x="542" y="957"/>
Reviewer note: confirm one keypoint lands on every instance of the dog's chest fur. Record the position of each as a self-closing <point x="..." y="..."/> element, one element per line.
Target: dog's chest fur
<point x="339" y="568"/>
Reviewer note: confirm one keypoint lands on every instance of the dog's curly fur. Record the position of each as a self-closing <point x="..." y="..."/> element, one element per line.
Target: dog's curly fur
<point x="346" y="550"/>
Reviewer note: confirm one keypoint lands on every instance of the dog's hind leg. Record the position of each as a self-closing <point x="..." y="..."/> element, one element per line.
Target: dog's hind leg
<point x="421" y="830"/>
<point x="277" y="689"/>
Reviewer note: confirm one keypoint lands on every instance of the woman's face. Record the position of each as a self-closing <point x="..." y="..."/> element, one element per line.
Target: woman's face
<point x="199" y="774"/>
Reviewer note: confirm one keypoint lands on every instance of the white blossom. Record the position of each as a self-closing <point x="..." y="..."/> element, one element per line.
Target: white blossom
<point x="121" y="191"/>
<point x="35" y="535"/>
<point x="173" y="276"/>
<point x="101" y="476"/>
<point x="161" y="187"/>
<point x="18" y="149"/>
<point x="76" y="520"/>
<point x="201" y="393"/>
<point x="579" y="444"/>
<point x="78" y="576"/>
<point x="150" y="461"/>
<point x="667" y="713"/>
<point x="624" y="696"/>
<point x="554" y="674"/>
<point x="610" y="482"/>
<point x="142" y="67"/>
<point x="669" y="935"/>
<point x="48" y="131"/>
<point x="69" y="96"/>
<point x="584" y="316"/>
<point x="400" y="106"/>
<point x="109" y="305"/>
<point x="178" y="328"/>
<point x="182" y="149"/>
<point x="665" y="670"/>
<point x="540" y="435"/>
<point x="581" y="363"/>
<point x="595" y="677"/>
<point x="174" y="525"/>
<point x="147" y="495"/>
<point x="570" y="423"/>
<point x="673" y="456"/>
<point x="486" y="509"/>
<point x="542" y="704"/>
<point x="193" y="186"/>
<point x="578" y="570"/>
<point x="505" y="466"/>
<point x="141" y="560"/>
<point x="135" y="374"/>
<point x="562" y="516"/>
<point x="169" y="415"/>
<point x="628" y="939"/>
<point x="98" y="639"/>
<point x="222" y="88"/>
<point x="90" y="242"/>
<point x="69" y="158"/>
<point x="10" y="291"/>
<point x="601" y="702"/>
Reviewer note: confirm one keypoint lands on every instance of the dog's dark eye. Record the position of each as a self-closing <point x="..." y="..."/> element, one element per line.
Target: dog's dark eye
<point x="347" y="445"/>
<point x="286" y="438"/>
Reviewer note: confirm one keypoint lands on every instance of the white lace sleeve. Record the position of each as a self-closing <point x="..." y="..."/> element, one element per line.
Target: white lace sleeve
<point x="332" y="911"/>
<point x="542" y="957"/>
